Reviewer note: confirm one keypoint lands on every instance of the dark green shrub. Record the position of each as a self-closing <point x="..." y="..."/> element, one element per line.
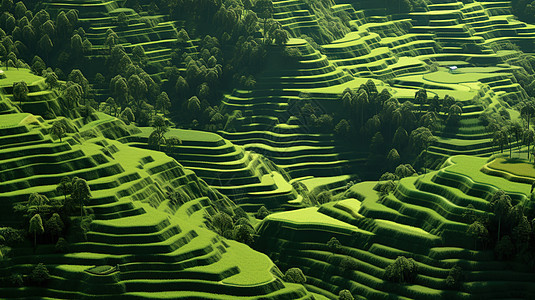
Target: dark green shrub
<point x="39" y="274"/>
<point x="222" y="222"/>
<point x="402" y="270"/>
<point x="262" y="213"/>
<point x="334" y="244"/>
<point x="13" y="236"/>
<point x="62" y="246"/>
<point x="294" y="275"/>
<point x="15" y="280"/>
<point x="345" y="295"/>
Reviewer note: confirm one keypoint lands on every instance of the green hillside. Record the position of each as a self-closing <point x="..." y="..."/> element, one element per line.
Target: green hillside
<point x="424" y="218"/>
<point x="267" y="149"/>
<point x="156" y="248"/>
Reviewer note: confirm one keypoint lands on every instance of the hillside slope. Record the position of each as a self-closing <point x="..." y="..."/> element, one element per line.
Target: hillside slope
<point x="424" y="219"/>
<point x="151" y="247"/>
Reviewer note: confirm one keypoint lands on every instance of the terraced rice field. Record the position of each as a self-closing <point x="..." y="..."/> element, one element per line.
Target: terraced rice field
<point x="247" y="178"/>
<point x="161" y="249"/>
<point x="399" y="51"/>
<point x="422" y="219"/>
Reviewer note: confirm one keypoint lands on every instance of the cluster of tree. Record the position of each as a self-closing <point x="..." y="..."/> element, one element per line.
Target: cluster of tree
<point x="238" y="227"/>
<point x="229" y="57"/>
<point x="508" y="229"/>
<point x="388" y="181"/>
<point x="37" y="277"/>
<point x="157" y="137"/>
<point x="24" y="34"/>
<point x="47" y="219"/>
<point x="402" y="270"/>
<point x="397" y="132"/>
<point x="507" y="133"/>
<point x="315" y="197"/>
<point x="294" y="275"/>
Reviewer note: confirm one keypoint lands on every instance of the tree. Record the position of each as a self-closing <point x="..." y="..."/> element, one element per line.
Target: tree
<point x="156" y="138"/>
<point x="58" y="129"/>
<point x="76" y="45"/>
<point x="72" y="94"/>
<point x="430" y="120"/>
<point x="334" y="245"/>
<point x="404" y="170"/>
<point x="345" y="295"/>
<point x="54" y="226"/>
<point x="138" y="90"/>
<point x="127" y="115"/>
<point x="51" y="79"/>
<point x="454" y="276"/>
<point x="80" y="192"/>
<point x="194" y="105"/>
<point x="138" y="53"/>
<point x="421" y="138"/>
<point x="501" y="206"/>
<point x="295" y="275"/>
<point x="377" y="145"/>
<point x="454" y="114"/>
<point x="521" y="233"/>
<point x="515" y="130"/>
<point x="181" y="87"/>
<point x="20" y="92"/>
<point x="342" y="129"/>
<point x="16" y="280"/>
<point x="500" y="139"/>
<point x="264" y="9"/>
<point x="110" y="102"/>
<point x="183" y="36"/>
<point x="262" y="213"/>
<point x="120" y="89"/>
<point x="281" y="36"/>
<point x="420" y="97"/>
<point x="527" y="111"/>
<point x="402" y="270"/>
<point x="36" y="227"/>
<point x="39" y="274"/>
<point x="221" y="222"/>
<point x="401" y="138"/>
<point x="162" y="102"/>
<point x="392" y="158"/>
<point x="528" y="139"/>
<point x="504" y="248"/>
<point x="243" y="233"/>
<point x="478" y="231"/>
<point x="87" y="47"/>
<point x="78" y="77"/>
<point x="386" y="187"/>
<point x="62" y="246"/>
<point x="46" y="45"/>
<point x="36" y="202"/>
<point x="20" y="10"/>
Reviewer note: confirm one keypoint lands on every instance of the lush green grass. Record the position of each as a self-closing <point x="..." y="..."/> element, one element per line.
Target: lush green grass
<point x="514" y="166"/>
